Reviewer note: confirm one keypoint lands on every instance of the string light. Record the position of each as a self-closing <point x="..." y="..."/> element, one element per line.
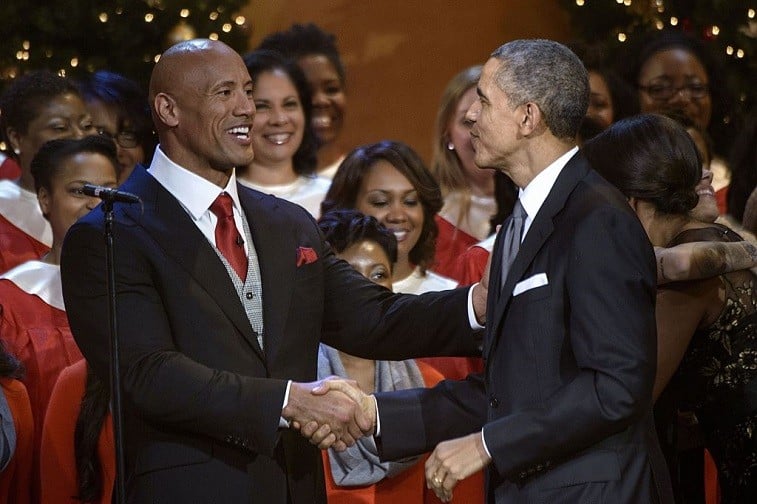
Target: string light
<point x="240" y="20"/>
<point x="621" y="37"/>
<point x="580" y="3"/>
<point x="226" y="27"/>
<point x="673" y="21"/>
<point x="184" y="13"/>
<point x="659" y="24"/>
<point x="627" y="3"/>
<point x="74" y="62"/>
<point x="740" y="53"/>
<point x="715" y="30"/>
<point x="729" y="50"/>
<point x="213" y="16"/>
<point x="213" y="36"/>
<point x="750" y="13"/>
<point x="103" y="17"/>
<point x="149" y="17"/>
<point x="26" y="45"/>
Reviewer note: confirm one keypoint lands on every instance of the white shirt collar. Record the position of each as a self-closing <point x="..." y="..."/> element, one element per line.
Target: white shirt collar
<point x="195" y="193"/>
<point x="532" y="197"/>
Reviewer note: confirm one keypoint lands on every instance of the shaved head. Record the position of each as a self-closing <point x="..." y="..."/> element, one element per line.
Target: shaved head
<point x="179" y="65"/>
<point x="202" y="107"/>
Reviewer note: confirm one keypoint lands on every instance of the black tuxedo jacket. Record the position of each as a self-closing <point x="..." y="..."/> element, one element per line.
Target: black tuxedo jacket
<point x="202" y="399"/>
<point x="570" y="349"/>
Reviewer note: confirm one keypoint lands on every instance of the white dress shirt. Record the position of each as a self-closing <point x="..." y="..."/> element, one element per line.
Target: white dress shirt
<point x="195" y="194"/>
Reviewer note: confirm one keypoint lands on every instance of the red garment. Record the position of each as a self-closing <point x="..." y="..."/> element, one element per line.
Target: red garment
<point x="408" y="486"/>
<point x="16" y="479"/>
<point x="17" y="247"/>
<point x="57" y="455"/>
<point x="721" y="197"/>
<point x="711" y="486"/>
<point x="470" y="265"/>
<point x="467" y="269"/>
<point x="455" y="368"/>
<point x="450" y="244"/>
<point x="9" y="169"/>
<point x="39" y="336"/>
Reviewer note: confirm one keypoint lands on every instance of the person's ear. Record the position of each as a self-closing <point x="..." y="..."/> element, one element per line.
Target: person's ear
<point x="531" y="118"/>
<point x="166" y="110"/>
<point x="14" y="139"/>
<point x="43" y="197"/>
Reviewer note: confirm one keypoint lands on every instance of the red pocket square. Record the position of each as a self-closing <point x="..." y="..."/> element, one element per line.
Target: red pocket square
<point x="306" y="255"/>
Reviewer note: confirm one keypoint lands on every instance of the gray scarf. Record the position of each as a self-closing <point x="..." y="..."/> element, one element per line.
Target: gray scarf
<point x="7" y="432"/>
<point x="359" y="465"/>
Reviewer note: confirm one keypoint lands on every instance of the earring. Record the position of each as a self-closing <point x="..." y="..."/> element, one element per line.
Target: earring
<point x="450" y="146"/>
<point x="17" y="151"/>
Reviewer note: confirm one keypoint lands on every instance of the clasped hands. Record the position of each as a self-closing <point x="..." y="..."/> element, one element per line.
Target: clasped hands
<point x="335" y="413"/>
<point x="331" y="413"/>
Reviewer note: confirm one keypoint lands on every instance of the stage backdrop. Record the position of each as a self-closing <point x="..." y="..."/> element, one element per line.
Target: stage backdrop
<point x="399" y="55"/>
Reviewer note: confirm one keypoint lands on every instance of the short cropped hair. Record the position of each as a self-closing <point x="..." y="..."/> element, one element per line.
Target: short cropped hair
<point x="49" y="159"/>
<point x="345" y="227"/>
<point x="548" y="74"/>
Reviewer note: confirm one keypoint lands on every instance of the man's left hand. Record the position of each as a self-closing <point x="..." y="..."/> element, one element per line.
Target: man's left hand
<point x="453" y="461"/>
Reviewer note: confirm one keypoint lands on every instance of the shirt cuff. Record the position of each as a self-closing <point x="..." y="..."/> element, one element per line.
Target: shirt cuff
<point x="483" y="441"/>
<point x="471" y="312"/>
<point x="283" y="422"/>
<point x="378" y="420"/>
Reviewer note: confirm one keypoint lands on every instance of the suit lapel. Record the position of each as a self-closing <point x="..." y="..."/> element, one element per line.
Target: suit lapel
<point x="172" y="228"/>
<point x="540" y="230"/>
<point x="277" y="257"/>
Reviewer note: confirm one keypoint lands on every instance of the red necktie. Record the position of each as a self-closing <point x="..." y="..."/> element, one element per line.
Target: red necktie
<point x="228" y="239"/>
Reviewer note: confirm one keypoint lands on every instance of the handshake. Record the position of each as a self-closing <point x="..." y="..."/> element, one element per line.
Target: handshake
<point x="331" y="413"/>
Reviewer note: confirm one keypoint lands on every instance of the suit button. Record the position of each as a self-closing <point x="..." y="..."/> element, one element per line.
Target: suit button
<point x="249" y="295"/>
<point x="493" y="402"/>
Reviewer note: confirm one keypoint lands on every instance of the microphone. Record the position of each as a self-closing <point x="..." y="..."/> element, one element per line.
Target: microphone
<point x="110" y="195"/>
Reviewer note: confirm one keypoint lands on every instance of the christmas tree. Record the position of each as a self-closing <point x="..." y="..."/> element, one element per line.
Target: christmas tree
<point x="74" y="37"/>
<point x="727" y="28"/>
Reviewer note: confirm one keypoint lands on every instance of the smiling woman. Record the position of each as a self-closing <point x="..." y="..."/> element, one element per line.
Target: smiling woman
<point x="37" y="107"/>
<point x="315" y="52"/>
<point x="282" y="138"/>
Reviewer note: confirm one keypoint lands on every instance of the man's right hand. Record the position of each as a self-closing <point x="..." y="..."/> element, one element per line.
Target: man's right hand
<point x="352" y="389"/>
<point x="331" y="417"/>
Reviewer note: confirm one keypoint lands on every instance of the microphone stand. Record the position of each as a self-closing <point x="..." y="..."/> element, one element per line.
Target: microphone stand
<point x="115" y="377"/>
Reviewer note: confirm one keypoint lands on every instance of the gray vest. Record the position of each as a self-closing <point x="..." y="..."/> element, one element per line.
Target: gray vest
<point x="251" y="291"/>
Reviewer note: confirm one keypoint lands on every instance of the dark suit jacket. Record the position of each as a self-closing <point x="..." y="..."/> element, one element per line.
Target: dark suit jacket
<point x="202" y="400"/>
<point x="565" y="402"/>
